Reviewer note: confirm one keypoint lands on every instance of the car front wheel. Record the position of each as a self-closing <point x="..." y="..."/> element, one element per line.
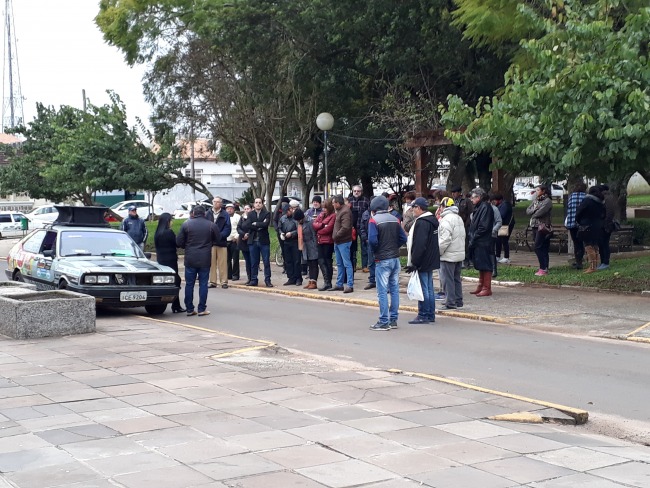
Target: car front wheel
<point x="157" y="309"/>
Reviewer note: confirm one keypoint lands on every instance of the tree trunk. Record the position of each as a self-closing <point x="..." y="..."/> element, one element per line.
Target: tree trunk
<point x="618" y="189"/>
<point x="484" y="173"/>
<point x="457" y="167"/>
<point x="366" y="185"/>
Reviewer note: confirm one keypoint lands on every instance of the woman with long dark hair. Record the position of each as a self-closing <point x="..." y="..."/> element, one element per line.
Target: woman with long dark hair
<point x="165" y="242"/>
<point x="540" y="221"/>
<point x="590" y="218"/>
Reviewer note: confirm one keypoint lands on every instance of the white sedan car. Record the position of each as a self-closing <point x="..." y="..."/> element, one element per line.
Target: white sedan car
<point x="41" y="216"/>
<point x="557" y="192"/>
<point x="144" y="208"/>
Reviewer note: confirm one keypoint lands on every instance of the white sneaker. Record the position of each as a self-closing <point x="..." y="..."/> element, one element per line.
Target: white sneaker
<point x="504" y="260"/>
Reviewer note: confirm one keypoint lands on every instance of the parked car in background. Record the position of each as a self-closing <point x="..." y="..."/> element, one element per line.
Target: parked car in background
<point x="184" y="209"/>
<point x="144" y="208"/>
<point x="10" y="224"/>
<point x="528" y="193"/>
<point x="276" y="199"/>
<point x="80" y="253"/>
<point x="41" y="216"/>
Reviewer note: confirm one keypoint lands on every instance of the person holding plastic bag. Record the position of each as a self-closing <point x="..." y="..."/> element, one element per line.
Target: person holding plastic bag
<point x="424" y="257"/>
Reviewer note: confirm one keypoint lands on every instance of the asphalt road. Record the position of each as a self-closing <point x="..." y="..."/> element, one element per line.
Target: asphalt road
<point x="604" y="376"/>
<point x="595" y="374"/>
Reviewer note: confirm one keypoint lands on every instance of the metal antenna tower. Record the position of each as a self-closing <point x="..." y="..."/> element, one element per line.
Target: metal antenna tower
<point x="12" y="108"/>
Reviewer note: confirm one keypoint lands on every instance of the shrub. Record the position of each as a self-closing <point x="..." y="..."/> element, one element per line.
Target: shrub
<point x="641" y="234"/>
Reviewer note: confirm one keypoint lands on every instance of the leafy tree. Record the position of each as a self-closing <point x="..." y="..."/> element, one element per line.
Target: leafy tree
<point x="71" y="153"/>
<point x="581" y="108"/>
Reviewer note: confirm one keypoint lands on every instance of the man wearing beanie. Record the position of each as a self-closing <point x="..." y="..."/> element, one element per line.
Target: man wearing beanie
<point x="424" y="257"/>
<point x="386" y="236"/>
<point x="316" y="208"/>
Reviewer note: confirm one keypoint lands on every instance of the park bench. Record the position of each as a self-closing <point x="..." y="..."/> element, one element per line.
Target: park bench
<point x="560" y="238"/>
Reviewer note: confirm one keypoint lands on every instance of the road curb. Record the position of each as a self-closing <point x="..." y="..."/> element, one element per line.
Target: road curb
<point x="580" y="416"/>
<point x="370" y="303"/>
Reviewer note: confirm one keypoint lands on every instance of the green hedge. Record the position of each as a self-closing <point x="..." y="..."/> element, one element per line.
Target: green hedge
<point x="641" y="231"/>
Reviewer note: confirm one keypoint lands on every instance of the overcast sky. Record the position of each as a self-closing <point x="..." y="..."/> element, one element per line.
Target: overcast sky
<point x="61" y="51"/>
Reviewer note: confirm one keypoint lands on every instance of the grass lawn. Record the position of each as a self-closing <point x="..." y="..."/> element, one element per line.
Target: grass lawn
<point x="625" y="274"/>
<point x="638" y="201"/>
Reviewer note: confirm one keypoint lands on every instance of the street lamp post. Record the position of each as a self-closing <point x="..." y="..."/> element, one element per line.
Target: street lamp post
<point x="325" y="122"/>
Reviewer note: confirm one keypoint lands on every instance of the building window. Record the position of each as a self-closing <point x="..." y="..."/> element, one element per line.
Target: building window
<point x="198" y="174"/>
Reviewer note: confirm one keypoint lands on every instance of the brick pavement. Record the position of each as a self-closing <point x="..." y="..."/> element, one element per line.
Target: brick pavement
<point x="144" y="403"/>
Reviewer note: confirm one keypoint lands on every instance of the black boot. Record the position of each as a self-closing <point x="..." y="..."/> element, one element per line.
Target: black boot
<point x="494" y="266"/>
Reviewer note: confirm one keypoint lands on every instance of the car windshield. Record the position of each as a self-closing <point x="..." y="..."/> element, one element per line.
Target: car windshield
<point x="92" y="243"/>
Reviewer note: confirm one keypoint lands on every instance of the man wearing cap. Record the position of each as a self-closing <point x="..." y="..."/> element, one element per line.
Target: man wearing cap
<point x="424" y="257"/>
<point x="221" y="219"/>
<point x="233" y="247"/>
<point x="135" y="227"/>
<point x="292" y="254"/>
<point x="386" y="236"/>
<point x="451" y="241"/>
<point x="465" y="209"/>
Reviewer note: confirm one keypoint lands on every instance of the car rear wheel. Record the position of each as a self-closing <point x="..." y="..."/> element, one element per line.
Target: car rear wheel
<point x="157" y="309"/>
<point x="18" y="276"/>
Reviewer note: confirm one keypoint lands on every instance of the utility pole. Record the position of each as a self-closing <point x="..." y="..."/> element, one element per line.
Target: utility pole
<point x="12" y="109"/>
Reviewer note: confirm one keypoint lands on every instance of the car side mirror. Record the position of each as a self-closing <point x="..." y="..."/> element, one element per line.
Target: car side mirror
<point x="147" y="255"/>
<point x="49" y="253"/>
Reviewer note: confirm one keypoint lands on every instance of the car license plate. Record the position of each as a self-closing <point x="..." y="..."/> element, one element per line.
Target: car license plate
<point x="133" y="296"/>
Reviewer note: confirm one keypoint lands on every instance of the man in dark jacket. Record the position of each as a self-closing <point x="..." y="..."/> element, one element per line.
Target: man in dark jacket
<point x="221" y="219"/>
<point x="465" y="209"/>
<point x="342" y="241"/>
<point x="135" y="227"/>
<point x="424" y="257"/>
<point x="358" y="204"/>
<point x="257" y="228"/>
<point x="386" y="236"/>
<point x="608" y="226"/>
<point x="292" y="255"/>
<point x="363" y="234"/>
<point x="480" y="241"/>
<point x="197" y="236"/>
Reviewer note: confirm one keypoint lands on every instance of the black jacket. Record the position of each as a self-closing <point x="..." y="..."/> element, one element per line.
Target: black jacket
<point x="222" y="221"/>
<point x="480" y="229"/>
<point x="197" y="236"/>
<point x="289" y="224"/>
<point x="385" y="235"/>
<point x="591" y="216"/>
<point x="257" y="226"/>
<point x="425" y="253"/>
<point x="165" y="242"/>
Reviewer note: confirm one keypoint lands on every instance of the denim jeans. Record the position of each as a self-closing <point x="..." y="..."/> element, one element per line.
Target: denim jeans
<point x="371" y="263"/>
<point x="427" y="308"/>
<point x="343" y="264"/>
<point x="264" y="250"/>
<point x="387" y="276"/>
<point x="190" y="278"/>
<point x="247" y="260"/>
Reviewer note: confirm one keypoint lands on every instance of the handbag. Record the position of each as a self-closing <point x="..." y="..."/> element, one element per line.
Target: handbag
<point x="504" y="230"/>
<point x="545" y="229"/>
<point x="583" y="230"/>
<point x="414" y="288"/>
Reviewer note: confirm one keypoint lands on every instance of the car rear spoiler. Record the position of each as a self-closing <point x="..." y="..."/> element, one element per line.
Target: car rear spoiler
<point x="81" y="216"/>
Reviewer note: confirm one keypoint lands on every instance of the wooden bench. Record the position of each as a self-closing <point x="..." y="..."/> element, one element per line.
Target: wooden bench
<point x="524" y="237"/>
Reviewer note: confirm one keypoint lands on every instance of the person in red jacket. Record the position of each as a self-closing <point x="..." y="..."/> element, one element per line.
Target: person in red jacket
<point x="324" y="227"/>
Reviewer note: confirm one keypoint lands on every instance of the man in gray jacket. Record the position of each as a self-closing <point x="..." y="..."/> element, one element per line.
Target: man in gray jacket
<point x="451" y="241"/>
<point x="197" y="236"/>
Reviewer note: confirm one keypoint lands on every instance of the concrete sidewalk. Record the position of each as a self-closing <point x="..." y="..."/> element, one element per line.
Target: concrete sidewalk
<point x="154" y="404"/>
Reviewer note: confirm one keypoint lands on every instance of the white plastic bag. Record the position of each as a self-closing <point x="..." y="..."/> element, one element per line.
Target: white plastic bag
<point x="414" y="288"/>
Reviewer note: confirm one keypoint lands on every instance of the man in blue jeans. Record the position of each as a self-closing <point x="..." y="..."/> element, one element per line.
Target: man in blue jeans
<point x="342" y="236"/>
<point x="424" y="257"/>
<point x="197" y="236"/>
<point x="386" y="236"/>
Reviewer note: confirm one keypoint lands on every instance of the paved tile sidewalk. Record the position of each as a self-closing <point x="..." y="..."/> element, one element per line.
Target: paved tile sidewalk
<point x="139" y="404"/>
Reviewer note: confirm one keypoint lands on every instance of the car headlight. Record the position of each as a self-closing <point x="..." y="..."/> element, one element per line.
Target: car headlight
<point x="96" y="280"/>
<point x="163" y="279"/>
